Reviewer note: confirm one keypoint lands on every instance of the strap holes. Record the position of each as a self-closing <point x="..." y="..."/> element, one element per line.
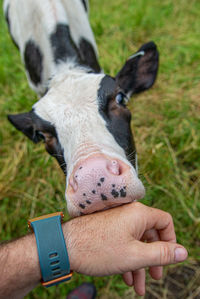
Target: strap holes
<point x="56" y="273"/>
<point x="55" y="269"/>
<point x="51" y="255"/>
<point x="54" y="263"/>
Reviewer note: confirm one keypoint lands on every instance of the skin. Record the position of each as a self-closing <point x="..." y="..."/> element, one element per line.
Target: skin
<point x="116" y="236"/>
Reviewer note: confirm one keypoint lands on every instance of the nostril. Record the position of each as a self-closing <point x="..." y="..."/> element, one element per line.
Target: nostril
<point x="114" y="167"/>
<point x="73" y="183"/>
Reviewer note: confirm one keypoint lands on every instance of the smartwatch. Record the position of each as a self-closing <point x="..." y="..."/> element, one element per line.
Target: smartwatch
<point x="52" y="251"/>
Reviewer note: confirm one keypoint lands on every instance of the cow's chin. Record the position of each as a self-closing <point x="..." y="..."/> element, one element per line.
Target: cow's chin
<point x="75" y="211"/>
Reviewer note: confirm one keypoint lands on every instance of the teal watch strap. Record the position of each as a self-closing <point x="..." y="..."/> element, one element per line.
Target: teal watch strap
<point x="52" y="251"/>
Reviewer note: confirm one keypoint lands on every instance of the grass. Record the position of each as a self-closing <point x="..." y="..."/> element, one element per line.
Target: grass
<point x="166" y="125"/>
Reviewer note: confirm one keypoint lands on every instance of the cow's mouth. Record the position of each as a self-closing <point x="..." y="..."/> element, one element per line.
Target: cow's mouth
<point x="100" y="183"/>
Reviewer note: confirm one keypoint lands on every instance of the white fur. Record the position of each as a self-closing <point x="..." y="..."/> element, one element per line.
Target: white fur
<point x="71" y="105"/>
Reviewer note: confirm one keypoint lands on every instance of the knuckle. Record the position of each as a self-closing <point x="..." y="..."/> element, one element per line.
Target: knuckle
<point x="131" y="206"/>
<point x="165" y="254"/>
<point x="137" y="208"/>
<point x="169" y="217"/>
<point x="136" y="204"/>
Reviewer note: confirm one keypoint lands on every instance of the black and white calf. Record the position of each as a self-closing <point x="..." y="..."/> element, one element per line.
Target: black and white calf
<point x="81" y="115"/>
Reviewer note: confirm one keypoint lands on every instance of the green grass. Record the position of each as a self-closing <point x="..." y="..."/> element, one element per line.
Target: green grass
<point x="166" y="125"/>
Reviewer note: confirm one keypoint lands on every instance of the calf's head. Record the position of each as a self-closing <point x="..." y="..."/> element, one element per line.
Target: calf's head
<point x="85" y="125"/>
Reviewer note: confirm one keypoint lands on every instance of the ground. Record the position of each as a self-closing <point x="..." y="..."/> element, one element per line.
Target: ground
<point x="165" y="122"/>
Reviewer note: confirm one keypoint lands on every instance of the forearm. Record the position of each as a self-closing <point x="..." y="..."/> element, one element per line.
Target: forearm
<point x="19" y="267"/>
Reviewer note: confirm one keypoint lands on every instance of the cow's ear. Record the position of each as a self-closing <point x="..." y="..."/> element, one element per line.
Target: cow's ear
<point x="140" y="70"/>
<point x="24" y="123"/>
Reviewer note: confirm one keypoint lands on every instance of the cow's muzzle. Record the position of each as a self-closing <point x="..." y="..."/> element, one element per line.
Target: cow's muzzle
<point x="101" y="182"/>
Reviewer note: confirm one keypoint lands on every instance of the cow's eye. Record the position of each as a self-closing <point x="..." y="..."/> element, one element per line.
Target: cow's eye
<point x="40" y="135"/>
<point x="121" y="99"/>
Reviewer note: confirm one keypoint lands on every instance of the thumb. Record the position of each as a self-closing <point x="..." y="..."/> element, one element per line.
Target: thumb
<point x="160" y="254"/>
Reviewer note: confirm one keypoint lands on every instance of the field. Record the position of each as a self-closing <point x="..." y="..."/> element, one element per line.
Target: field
<point x="165" y="122"/>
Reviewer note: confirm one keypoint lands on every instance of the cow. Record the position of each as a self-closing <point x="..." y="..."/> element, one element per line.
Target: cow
<point x="82" y="115"/>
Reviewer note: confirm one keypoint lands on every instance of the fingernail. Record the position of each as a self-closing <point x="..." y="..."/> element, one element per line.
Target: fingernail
<point x="180" y="254"/>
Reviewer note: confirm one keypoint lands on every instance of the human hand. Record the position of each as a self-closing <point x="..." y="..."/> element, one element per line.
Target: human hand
<point x="113" y="242"/>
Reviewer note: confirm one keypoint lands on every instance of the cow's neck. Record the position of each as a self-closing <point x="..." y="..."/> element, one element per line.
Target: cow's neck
<point x="50" y="34"/>
<point x="68" y="70"/>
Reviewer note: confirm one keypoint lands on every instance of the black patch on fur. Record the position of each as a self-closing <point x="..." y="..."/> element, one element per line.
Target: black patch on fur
<point x="55" y="149"/>
<point x="84" y="194"/>
<point x="107" y="89"/>
<point x="117" y="124"/>
<point x="31" y="124"/>
<point x="99" y="184"/>
<point x="103" y="197"/>
<point x="88" y="56"/>
<point x="85" y="5"/>
<point x="23" y="122"/>
<point x="9" y="27"/>
<point x="114" y="193"/>
<point x="94" y="191"/>
<point x="58" y="153"/>
<point x="33" y="61"/>
<point x="62" y="44"/>
<point x="64" y="47"/>
<point x="102" y="180"/>
<point x="122" y="193"/>
<point x="113" y="185"/>
<point x="82" y="206"/>
<point x="88" y="201"/>
<point x="80" y="167"/>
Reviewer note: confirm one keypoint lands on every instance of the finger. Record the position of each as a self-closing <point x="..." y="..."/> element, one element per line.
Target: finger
<point x="128" y="278"/>
<point x="152" y="236"/>
<point x="139" y="281"/>
<point x="157" y="254"/>
<point x="151" y="218"/>
<point x="156" y="272"/>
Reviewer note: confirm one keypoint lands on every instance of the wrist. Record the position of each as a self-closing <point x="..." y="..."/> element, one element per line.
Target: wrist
<point x="29" y="241"/>
<point x="51" y="246"/>
<point x="69" y="233"/>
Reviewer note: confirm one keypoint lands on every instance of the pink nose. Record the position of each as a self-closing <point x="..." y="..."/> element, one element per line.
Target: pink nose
<point x="111" y="168"/>
<point x="100" y="182"/>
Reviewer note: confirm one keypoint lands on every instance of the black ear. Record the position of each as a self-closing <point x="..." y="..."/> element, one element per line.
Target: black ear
<point x="24" y="122"/>
<point x="140" y="70"/>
